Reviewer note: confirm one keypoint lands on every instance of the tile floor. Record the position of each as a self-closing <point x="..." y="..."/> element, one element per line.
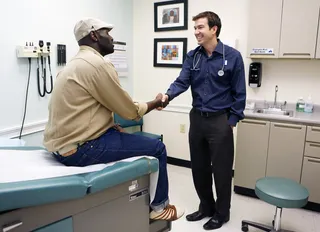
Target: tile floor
<point x="182" y="193"/>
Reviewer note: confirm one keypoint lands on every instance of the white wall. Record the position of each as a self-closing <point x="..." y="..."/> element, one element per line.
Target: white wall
<point x="294" y="78"/>
<point x="34" y="20"/>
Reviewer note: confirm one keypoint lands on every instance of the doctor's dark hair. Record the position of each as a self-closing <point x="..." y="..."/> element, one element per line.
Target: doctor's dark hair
<point x="213" y="19"/>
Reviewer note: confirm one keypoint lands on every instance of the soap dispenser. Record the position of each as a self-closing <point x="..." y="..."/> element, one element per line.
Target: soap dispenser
<point x="308" y="108"/>
<point x="300" y="105"/>
<point x="255" y="73"/>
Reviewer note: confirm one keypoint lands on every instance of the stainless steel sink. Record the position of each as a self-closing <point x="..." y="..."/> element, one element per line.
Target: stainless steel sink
<point x="274" y="111"/>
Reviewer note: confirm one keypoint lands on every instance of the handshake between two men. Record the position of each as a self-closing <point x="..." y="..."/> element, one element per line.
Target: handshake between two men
<point x="162" y="100"/>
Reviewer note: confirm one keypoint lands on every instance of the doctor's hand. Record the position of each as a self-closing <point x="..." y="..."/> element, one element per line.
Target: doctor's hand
<point x="164" y="101"/>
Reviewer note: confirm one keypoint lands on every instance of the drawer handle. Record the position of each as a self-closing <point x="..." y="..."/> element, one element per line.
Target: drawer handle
<point x="314" y="161"/>
<point x="288" y="126"/>
<point x="257" y="54"/>
<point x="11" y="226"/>
<point x="296" y="54"/>
<point x="254" y="122"/>
<point x="317" y="129"/>
<point x="314" y="145"/>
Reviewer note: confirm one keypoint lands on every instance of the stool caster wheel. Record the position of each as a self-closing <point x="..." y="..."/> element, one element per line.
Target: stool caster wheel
<point x="245" y="228"/>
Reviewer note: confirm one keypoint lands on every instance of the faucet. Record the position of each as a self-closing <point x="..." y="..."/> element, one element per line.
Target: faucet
<point x="275" y="97"/>
<point x="283" y="107"/>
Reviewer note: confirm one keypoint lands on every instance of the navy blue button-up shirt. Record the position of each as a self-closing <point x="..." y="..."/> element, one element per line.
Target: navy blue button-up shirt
<point x="210" y="91"/>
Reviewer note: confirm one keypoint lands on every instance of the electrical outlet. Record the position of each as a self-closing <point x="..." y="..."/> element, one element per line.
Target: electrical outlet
<point x="182" y="128"/>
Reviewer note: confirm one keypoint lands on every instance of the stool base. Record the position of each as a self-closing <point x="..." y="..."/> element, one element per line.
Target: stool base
<point x="275" y="228"/>
<point x="260" y="226"/>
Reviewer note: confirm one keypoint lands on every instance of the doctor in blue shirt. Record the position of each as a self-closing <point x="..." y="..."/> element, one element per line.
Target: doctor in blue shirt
<point x="215" y="73"/>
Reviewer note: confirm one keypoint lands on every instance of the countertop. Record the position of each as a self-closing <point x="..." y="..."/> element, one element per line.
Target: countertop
<point x="297" y="117"/>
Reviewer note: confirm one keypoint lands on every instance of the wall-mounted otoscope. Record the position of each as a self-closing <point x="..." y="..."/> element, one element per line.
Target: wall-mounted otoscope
<point x="41" y="53"/>
<point x="43" y="61"/>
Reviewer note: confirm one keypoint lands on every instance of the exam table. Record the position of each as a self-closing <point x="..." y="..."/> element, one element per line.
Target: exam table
<point x="114" y="199"/>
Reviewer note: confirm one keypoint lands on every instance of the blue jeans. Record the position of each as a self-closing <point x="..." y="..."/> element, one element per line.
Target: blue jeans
<point x="114" y="146"/>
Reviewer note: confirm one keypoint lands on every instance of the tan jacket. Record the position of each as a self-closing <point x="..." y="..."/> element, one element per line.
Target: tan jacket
<point x="85" y="95"/>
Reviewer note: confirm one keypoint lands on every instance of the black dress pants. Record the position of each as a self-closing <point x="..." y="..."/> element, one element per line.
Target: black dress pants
<point x="212" y="152"/>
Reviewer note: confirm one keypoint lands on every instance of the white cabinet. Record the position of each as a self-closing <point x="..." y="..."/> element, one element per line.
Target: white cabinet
<point x="284" y="29"/>
<point x="287" y="150"/>
<point x="264" y="27"/>
<point x="299" y="28"/>
<point x="286" y="147"/>
<point x="318" y="41"/>
<point x="309" y="178"/>
<point x="311" y="164"/>
<point x="251" y="152"/>
<point x="313" y="134"/>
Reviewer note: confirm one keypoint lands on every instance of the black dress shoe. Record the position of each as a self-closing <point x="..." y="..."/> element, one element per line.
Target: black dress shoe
<point x="216" y="222"/>
<point x="197" y="216"/>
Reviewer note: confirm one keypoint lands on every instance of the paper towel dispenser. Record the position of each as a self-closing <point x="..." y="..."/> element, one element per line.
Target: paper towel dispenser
<point x="255" y="74"/>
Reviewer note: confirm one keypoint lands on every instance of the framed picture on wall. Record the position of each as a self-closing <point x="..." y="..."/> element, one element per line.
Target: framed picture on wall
<point x="169" y="52"/>
<point x="171" y="15"/>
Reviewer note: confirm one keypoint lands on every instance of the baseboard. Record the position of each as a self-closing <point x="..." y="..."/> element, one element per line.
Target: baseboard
<point x="179" y="162"/>
<point x="29" y="128"/>
<point x="245" y="191"/>
<point x="250" y="193"/>
<point x="313" y="207"/>
<point x="183" y="163"/>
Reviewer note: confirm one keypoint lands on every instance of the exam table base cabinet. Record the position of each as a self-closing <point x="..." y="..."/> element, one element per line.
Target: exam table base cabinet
<point x="115" y="209"/>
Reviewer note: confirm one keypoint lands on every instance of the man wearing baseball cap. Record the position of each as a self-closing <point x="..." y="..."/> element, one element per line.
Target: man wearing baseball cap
<point x="80" y="129"/>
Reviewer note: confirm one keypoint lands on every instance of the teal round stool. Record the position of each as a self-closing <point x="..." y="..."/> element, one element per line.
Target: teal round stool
<point x="282" y="193"/>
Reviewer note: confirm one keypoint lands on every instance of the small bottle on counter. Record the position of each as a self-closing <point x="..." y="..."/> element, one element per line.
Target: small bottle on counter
<point x="308" y="108"/>
<point x="300" y="105"/>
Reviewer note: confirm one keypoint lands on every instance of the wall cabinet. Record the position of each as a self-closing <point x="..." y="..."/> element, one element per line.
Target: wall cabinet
<point x="264" y="27"/>
<point x="299" y="28"/>
<point x="251" y="152"/>
<point x="290" y="30"/>
<point x="318" y="41"/>
<point x="285" y="153"/>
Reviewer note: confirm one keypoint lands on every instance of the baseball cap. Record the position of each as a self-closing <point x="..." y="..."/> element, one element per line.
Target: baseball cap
<point x="85" y="26"/>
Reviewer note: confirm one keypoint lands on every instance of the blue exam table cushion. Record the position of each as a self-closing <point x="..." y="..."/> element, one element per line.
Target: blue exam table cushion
<point x="120" y="173"/>
<point x="21" y="194"/>
<point x="37" y="192"/>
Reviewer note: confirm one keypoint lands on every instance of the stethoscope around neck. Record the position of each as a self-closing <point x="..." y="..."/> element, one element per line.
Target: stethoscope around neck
<point x="195" y="63"/>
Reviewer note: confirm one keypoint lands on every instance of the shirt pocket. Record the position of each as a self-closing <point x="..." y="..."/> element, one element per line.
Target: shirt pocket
<point x="225" y="78"/>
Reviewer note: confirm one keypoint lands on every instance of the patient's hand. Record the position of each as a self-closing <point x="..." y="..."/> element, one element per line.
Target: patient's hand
<point x="164" y="100"/>
<point x="119" y="128"/>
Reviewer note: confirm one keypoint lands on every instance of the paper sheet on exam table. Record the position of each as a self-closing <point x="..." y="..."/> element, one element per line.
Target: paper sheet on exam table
<point x="22" y="165"/>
